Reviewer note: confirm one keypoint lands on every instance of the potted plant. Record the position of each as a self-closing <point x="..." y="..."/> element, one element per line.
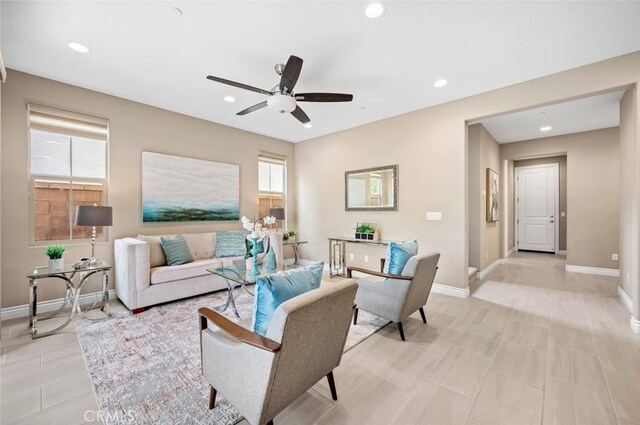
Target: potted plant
<point x="365" y="231"/>
<point x="289" y="234"/>
<point x="55" y="253"/>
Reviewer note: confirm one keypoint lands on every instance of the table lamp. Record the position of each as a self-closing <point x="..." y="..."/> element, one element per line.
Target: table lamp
<point x="277" y="213"/>
<point x="93" y="215"/>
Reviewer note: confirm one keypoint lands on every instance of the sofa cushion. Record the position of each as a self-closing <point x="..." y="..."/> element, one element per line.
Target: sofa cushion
<point x="398" y="254"/>
<point x="196" y="268"/>
<point x="231" y="244"/>
<point x="176" y="250"/>
<point x="156" y="254"/>
<point x="201" y="245"/>
<point x="273" y="290"/>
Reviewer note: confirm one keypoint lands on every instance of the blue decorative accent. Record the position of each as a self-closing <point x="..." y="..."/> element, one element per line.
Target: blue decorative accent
<point x="398" y="254"/>
<point x="175" y="250"/>
<point x="273" y="290"/>
<point x="254" y="253"/>
<point x="271" y="259"/>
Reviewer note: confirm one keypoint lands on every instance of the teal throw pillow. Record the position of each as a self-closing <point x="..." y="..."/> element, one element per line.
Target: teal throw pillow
<point x="231" y="244"/>
<point x="398" y="253"/>
<point x="273" y="290"/>
<point x="176" y="250"/>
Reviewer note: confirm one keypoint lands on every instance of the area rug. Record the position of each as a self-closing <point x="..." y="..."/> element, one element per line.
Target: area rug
<point x="145" y="368"/>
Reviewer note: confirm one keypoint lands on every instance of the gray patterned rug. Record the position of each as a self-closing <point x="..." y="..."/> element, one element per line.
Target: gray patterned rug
<point x="145" y="369"/>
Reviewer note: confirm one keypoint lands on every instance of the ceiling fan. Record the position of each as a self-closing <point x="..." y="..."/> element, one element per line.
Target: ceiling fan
<point x="281" y="97"/>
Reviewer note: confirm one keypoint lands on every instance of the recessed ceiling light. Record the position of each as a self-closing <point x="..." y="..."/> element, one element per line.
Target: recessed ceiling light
<point x="307" y="125"/>
<point x="440" y="82"/>
<point x="375" y="9"/>
<point x="545" y="128"/>
<point x="78" y="47"/>
<point x="229" y="99"/>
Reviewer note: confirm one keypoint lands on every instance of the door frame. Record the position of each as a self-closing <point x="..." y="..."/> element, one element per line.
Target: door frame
<point x="556" y="222"/>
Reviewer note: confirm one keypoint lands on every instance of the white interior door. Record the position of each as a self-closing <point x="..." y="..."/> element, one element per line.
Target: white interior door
<point x="537" y="204"/>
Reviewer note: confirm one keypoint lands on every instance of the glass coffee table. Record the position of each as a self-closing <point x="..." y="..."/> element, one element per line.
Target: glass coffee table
<point x="236" y="276"/>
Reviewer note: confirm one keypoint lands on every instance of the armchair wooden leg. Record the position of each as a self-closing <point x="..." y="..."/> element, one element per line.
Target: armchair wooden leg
<point x="270" y="422"/>
<point x="355" y="316"/>
<point x="332" y="386"/>
<point x="212" y="397"/>
<point x="137" y="310"/>
<point x="424" y="318"/>
<point x="401" y="331"/>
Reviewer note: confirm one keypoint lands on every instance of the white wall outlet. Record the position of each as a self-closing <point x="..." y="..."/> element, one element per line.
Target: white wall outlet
<point x="366" y="258"/>
<point x="628" y="277"/>
<point x="351" y="257"/>
<point x="486" y="254"/>
<point x="434" y="216"/>
<point x="614" y="256"/>
<point x="563" y="214"/>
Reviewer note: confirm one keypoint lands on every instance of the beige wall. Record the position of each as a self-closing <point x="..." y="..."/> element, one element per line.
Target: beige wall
<point x="134" y="127"/>
<point x="430" y="147"/>
<point x="593" y="177"/>
<point x="562" y="195"/>
<point x="484" y="237"/>
<point x="630" y="188"/>
<point x="474" y="194"/>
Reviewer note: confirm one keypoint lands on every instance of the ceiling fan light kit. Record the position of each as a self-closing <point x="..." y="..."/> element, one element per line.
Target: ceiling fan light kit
<point x="281" y="97"/>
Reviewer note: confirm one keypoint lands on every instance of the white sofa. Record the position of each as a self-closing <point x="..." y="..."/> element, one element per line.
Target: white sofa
<point x="143" y="279"/>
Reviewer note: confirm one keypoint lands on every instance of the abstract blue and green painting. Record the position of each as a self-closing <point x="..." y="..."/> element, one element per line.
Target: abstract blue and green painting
<point x="176" y="188"/>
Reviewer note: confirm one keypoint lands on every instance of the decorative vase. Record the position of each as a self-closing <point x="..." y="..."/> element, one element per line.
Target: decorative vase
<point x="249" y="263"/>
<point x="271" y="259"/>
<point x="254" y="253"/>
<point x="56" y="264"/>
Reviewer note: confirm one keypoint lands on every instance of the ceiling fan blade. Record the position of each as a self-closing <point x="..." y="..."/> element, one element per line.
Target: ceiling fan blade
<point x="239" y="85"/>
<point x="290" y="74"/>
<point x="300" y="115"/>
<point x="323" y="97"/>
<point x="253" y="108"/>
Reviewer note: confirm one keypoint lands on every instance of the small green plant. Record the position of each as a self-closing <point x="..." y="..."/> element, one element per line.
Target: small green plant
<point x="289" y="234"/>
<point x="54" y="252"/>
<point x="365" y="228"/>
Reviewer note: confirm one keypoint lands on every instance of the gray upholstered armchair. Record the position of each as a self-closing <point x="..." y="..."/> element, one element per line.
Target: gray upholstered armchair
<point x="260" y="376"/>
<point x="398" y="296"/>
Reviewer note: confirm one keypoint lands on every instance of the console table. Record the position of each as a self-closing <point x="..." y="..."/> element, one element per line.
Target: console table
<point x="72" y="296"/>
<point x="337" y="253"/>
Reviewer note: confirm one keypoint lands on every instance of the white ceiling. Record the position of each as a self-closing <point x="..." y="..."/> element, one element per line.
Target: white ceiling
<point x="141" y="51"/>
<point x="586" y="114"/>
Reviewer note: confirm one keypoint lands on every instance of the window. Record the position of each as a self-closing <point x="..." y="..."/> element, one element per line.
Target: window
<point x="271" y="185"/>
<point x="68" y="167"/>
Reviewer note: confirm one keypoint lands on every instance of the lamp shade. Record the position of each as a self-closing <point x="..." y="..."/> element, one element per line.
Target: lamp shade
<point x="277" y="213"/>
<point x="90" y="215"/>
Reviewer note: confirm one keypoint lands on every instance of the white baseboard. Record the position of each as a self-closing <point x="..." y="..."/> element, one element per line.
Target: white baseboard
<point x="483" y="273"/>
<point x="600" y="271"/>
<point x="635" y="325"/>
<point x="51" y="305"/>
<point x="626" y="300"/>
<point x="452" y="291"/>
<point x="561" y="252"/>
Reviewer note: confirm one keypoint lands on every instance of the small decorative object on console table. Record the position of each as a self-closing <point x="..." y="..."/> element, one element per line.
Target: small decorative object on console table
<point x="55" y="252"/>
<point x="367" y="231"/>
<point x="93" y="215"/>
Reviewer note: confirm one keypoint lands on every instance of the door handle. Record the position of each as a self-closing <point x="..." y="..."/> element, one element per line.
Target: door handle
<point x="551" y="221"/>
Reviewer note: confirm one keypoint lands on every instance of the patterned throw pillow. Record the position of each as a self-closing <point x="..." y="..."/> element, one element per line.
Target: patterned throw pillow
<point x="231" y="244"/>
<point x="176" y="250"/>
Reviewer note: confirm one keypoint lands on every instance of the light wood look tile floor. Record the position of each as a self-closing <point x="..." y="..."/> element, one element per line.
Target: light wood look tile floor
<point x="532" y="345"/>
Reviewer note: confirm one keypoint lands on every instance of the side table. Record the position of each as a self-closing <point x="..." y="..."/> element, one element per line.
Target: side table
<point x="72" y="295"/>
<point x="295" y="245"/>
